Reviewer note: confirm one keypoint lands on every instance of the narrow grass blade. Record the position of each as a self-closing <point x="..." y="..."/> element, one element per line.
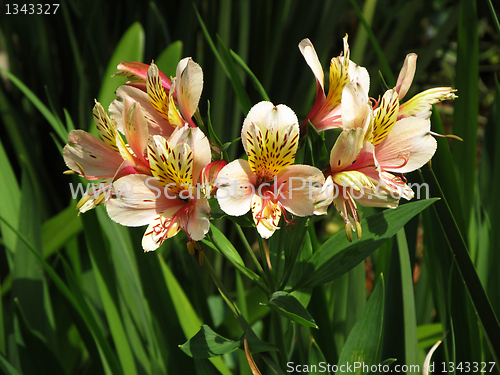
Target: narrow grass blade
<point x="36" y="349"/>
<point x="239" y="90"/>
<point x="10" y="198"/>
<point x="384" y="65"/>
<point x="363" y="344"/>
<point x="6" y="367"/>
<point x="108" y="291"/>
<point x="255" y="81"/>
<point x="409" y="317"/>
<point x="78" y="301"/>
<point x="466" y="107"/>
<point x="52" y="120"/>
<point x="466" y="267"/>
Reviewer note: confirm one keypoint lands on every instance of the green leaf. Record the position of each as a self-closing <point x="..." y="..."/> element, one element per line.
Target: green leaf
<point x="189" y="320"/>
<point x="338" y="255"/>
<point x="129" y="48"/>
<point x="36" y="349"/>
<point x="316" y="148"/>
<point x="59" y="229"/>
<point x="169" y="58"/>
<point x="206" y="344"/>
<point x="363" y="344"/>
<point x="429" y="334"/>
<point x="290" y="307"/>
<point x="7" y="368"/>
<point x="223" y="245"/>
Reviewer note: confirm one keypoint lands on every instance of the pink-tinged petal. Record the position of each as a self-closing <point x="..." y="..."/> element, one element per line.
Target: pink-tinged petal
<point x="198" y="220"/>
<point x="346" y="149"/>
<point x="365" y="161"/>
<point x="407" y="147"/>
<point x="162" y="227"/>
<point x="266" y="215"/>
<point x="138" y="199"/>
<point x="236" y="187"/>
<point x="157" y="124"/>
<point x="325" y="197"/>
<point x="189" y="82"/>
<point x="209" y="174"/>
<point x="136" y="129"/>
<point x="198" y="143"/>
<point x="421" y="104"/>
<point x="359" y="75"/>
<point x="406" y="75"/>
<point x="385" y="116"/>
<point x="300" y="186"/>
<point x="398" y="188"/>
<point x="356" y="109"/>
<point x="137" y="72"/>
<point x="125" y="169"/>
<point x="90" y="156"/>
<point x="311" y="57"/>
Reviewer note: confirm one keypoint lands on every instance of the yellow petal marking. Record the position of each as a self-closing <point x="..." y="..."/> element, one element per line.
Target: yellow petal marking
<point x="156" y="92"/>
<point x="271" y="151"/>
<point x="173" y="116"/>
<point x="107" y="129"/>
<point x="172" y="166"/>
<point x="339" y="77"/>
<point x="385" y="116"/>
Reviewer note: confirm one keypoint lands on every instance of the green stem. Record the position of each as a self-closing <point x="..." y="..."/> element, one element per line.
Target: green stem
<point x="249" y="250"/>
<point x="223" y="292"/>
<point x="267" y="271"/>
<point x="278" y="337"/>
<point x="293" y="259"/>
<point x="278" y="258"/>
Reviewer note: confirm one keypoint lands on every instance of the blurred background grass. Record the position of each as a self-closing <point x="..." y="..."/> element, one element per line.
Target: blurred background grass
<point x="100" y="327"/>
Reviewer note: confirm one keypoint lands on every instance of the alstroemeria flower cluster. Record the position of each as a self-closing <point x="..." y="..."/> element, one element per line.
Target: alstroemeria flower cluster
<point x="157" y="164"/>
<point x="376" y="145"/>
<point x="151" y="177"/>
